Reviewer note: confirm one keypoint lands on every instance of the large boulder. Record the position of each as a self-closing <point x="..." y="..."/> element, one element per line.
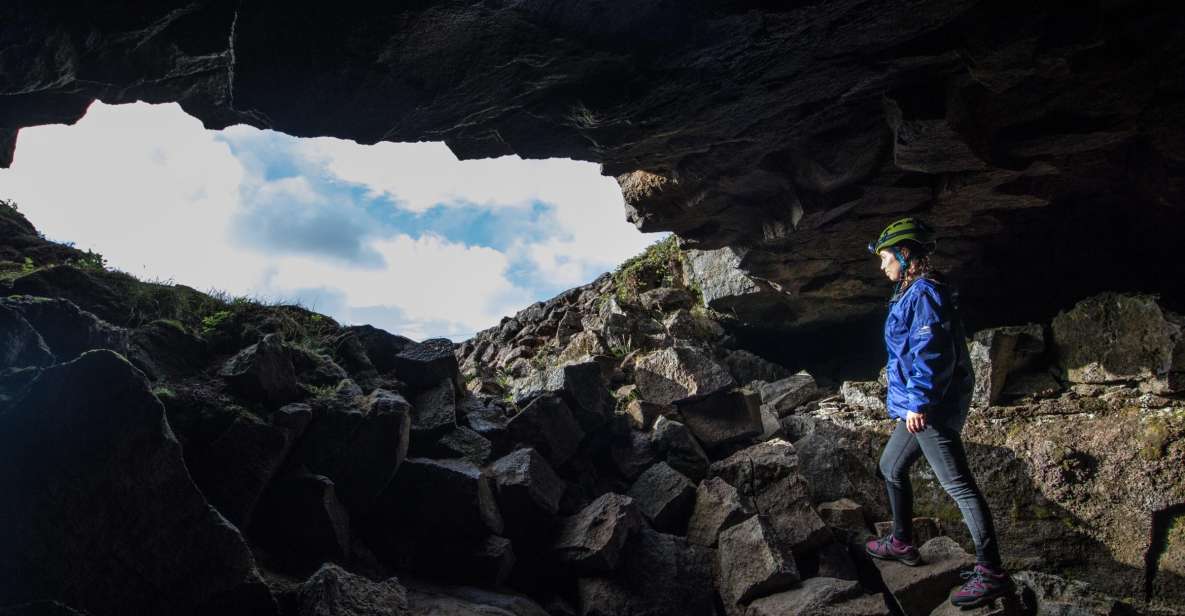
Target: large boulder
<point x="677" y="373"/>
<point x="865" y="395"/>
<point x="234" y="469"/>
<point x="381" y="347"/>
<point x="460" y="442"/>
<point x="1113" y="337"/>
<point x="528" y="491"/>
<point x="717" y="507"/>
<point x="674" y="442"/>
<point x="593" y="540"/>
<point x="751" y="564"/>
<point x="429" y="599"/>
<point x="263" y="372"/>
<point x="424" y="364"/>
<point x="547" y="425"/>
<point x="20" y="343"/>
<point x="67" y="329"/>
<point x="767" y="478"/>
<point x="665" y="496"/>
<point x="661" y="575"/>
<point x="434" y="412"/>
<point x="581" y="386"/>
<point x="998" y="352"/>
<point x="784" y="395"/>
<point x="301" y="522"/>
<point x="88" y="449"/>
<point x="821" y="596"/>
<point x="333" y="591"/>
<point x="633" y="453"/>
<point x="360" y="449"/>
<point x="723" y="418"/>
<point x="163" y="349"/>
<point x="918" y="590"/>
<point x="746" y="367"/>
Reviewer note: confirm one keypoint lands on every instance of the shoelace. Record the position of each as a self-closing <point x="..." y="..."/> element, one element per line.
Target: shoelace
<point x="976" y="581"/>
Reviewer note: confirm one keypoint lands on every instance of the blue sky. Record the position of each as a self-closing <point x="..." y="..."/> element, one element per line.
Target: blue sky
<point x="401" y="236"/>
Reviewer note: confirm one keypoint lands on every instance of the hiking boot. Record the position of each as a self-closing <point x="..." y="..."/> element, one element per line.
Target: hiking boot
<point x="983" y="584"/>
<point x="892" y="548"/>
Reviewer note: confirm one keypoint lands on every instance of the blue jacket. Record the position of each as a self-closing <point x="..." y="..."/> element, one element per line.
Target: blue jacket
<point x="929" y="369"/>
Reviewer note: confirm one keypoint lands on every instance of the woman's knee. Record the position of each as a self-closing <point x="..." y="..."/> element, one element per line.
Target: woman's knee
<point x="893" y="471"/>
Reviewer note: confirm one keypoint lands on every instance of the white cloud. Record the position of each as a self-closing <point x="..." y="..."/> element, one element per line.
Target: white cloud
<point x="156" y="194"/>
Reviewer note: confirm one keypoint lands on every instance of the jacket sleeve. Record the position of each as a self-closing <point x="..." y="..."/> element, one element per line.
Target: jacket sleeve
<point x="932" y="354"/>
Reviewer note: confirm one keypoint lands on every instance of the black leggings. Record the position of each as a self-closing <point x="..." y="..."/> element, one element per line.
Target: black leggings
<point x="943" y="449"/>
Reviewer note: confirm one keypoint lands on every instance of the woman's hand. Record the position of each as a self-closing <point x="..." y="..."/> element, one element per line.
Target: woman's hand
<point x="915" y="422"/>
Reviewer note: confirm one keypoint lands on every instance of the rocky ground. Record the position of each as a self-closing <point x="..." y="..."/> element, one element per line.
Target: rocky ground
<point x="610" y="451"/>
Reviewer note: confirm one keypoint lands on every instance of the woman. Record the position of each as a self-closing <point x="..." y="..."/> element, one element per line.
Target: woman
<point x="929" y="393"/>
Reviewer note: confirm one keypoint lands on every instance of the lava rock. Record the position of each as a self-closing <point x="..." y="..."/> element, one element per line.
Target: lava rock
<point x="235" y="469"/>
<point x="71" y="453"/>
<point x="263" y="372"/>
<point x="766" y="476"/>
<point x="425" y="364"/>
<point x="301" y="521"/>
<point x="867" y="395"/>
<point x="998" y="352"/>
<point x="723" y="418"/>
<point x="633" y="454"/>
<point x="333" y="591"/>
<point x="785" y="395"/>
<point x="677" y="373"/>
<point x="844" y="514"/>
<point x="717" y="507"/>
<point x="528" y="490"/>
<point x="746" y="367"/>
<point x="20" y="344"/>
<point x="821" y="596"/>
<point x="665" y="497"/>
<point x="673" y="441"/>
<point x="434" y="412"/>
<point x="751" y="564"/>
<point x="592" y="541"/>
<point x="547" y="425"/>
<point x="315" y="368"/>
<point x="67" y="329"/>
<point x="165" y="350"/>
<point x="918" y="590"/>
<point x="661" y="575"/>
<point x="581" y="386"/>
<point x="380" y="347"/>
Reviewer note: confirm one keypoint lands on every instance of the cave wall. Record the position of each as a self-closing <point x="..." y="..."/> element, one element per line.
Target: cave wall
<point x="1045" y="141"/>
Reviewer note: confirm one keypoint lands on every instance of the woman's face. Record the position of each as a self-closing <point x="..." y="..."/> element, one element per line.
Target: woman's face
<point x="889" y="265"/>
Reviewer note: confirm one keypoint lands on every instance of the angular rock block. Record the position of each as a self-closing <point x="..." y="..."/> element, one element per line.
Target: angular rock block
<point x="359" y="449"/>
<point x="767" y="478"/>
<point x="528" y="491"/>
<point x="665" y="497"/>
<point x="672" y="374"/>
<point x="581" y="386"/>
<point x="633" y="453"/>
<point x="723" y="418"/>
<point x="821" y="596"/>
<point x="333" y="591"/>
<point x="301" y="520"/>
<point x="20" y="344"/>
<point x="424" y="364"/>
<point x="381" y="348"/>
<point x="785" y="395"/>
<point x="459" y="443"/>
<point x="751" y="564"/>
<point x="592" y="540"/>
<point x="547" y="425"/>
<point x="998" y="352"/>
<point x="866" y="395"/>
<point x="70" y="453"/>
<point x="434" y="412"/>
<point x="661" y="575"/>
<point x="673" y="441"/>
<point x="1113" y="337"/>
<point x="919" y="590"/>
<point x="263" y="372"/>
<point x="747" y="367"/>
<point x="164" y="350"/>
<point x="717" y="507"/>
<point x="315" y="368"/>
<point x="67" y="329"/>
<point x="844" y="514"/>
<point x="236" y="468"/>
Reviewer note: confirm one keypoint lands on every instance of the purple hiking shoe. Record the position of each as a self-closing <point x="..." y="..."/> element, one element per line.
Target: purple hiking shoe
<point x="891" y="548"/>
<point x="983" y="584"/>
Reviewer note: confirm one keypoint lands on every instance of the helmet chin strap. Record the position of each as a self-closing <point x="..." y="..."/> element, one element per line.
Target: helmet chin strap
<point x="904" y="268"/>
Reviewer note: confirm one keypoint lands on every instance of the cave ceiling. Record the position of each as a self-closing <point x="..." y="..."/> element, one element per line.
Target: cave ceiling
<point x="1045" y="141"/>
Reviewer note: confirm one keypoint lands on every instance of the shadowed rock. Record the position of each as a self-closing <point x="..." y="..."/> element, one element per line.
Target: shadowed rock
<point x="723" y="418"/>
<point x="20" y="344"/>
<point x="263" y="372"/>
<point x="581" y="386"/>
<point x="529" y="491"/>
<point x="301" y="520"/>
<point x="333" y="591"/>
<point x="751" y="564"/>
<point x="425" y="364"/>
<point x="592" y="541"/>
<point x="88" y="433"/>
<point x="674" y="441"/>
<point x="717" y="507"/>
<point x="918" y="590"/>
<point x="163" y="349"/>
<point x="661" y="575"/>
<point x="547" y="425"/>
<point x="665" y="497"/>
<point x="677" y="373"/>
<point x="821" y="596"/>
<point x="67" y="329"/>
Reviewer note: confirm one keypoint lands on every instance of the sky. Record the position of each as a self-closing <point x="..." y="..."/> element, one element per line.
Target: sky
<point x="402" y="236"/>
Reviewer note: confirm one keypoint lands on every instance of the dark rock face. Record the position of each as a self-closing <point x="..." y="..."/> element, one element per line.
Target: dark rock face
<point x="302" y="522"/>
<point x="92" y="425"/>
<point x="661" y="575"/>
<point x="765" y="128"/>
<point x="67" y="329"/>
<point x="593" y="540"/>
<point x="163" y="350"/>
<point x="332" y="591"/>
<point x="263" y="372"/>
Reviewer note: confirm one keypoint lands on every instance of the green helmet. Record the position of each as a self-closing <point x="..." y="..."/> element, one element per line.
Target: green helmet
<point x="901" y="230"/>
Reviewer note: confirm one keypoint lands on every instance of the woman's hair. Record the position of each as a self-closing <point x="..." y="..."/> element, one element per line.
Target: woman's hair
<point x="918" y="263"/>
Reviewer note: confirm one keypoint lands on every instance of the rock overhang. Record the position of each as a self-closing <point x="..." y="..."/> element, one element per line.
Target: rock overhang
<point x="1037" y="139"/>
